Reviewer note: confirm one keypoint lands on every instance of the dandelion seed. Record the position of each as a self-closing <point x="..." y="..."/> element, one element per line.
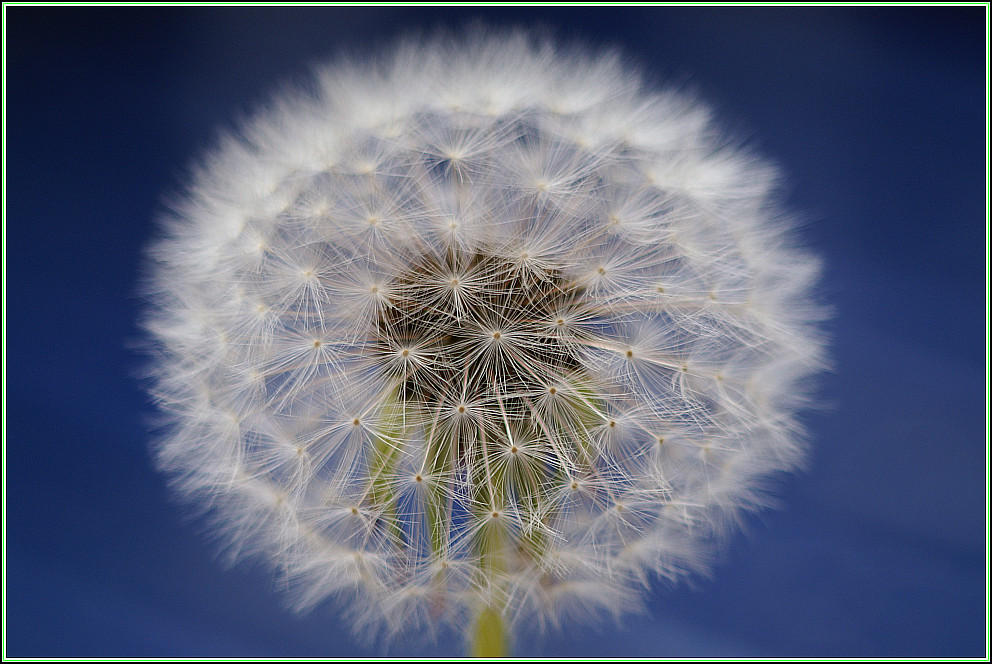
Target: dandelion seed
<point x="410" y="364"/>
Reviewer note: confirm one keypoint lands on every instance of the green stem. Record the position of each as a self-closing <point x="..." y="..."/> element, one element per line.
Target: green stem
<point x="488" y="635"/>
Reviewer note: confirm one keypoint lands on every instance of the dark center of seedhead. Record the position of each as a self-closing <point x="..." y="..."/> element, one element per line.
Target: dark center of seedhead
<point x="485" y="330"/>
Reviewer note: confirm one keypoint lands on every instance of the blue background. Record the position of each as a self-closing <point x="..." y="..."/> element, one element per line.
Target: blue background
<point x="876" y="115"/>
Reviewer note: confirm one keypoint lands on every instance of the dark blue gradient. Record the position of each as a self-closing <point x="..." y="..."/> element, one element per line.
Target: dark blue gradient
<point x="875" y="115"/>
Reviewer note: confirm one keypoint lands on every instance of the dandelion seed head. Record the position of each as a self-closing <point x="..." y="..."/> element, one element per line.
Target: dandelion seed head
<point x="480" y="327"/>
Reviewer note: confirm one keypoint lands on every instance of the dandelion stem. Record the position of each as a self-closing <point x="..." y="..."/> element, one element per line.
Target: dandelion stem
<point x="488" y="634"/>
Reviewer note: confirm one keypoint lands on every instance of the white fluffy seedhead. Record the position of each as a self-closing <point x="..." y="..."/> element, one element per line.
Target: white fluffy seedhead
<point x="482" y="326"/>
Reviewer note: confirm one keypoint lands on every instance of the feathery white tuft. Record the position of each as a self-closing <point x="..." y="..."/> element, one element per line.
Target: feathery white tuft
<point x="483" y="325"/>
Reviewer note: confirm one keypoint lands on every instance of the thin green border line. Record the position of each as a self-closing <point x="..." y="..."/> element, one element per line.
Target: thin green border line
<point x="3" y="314"/>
